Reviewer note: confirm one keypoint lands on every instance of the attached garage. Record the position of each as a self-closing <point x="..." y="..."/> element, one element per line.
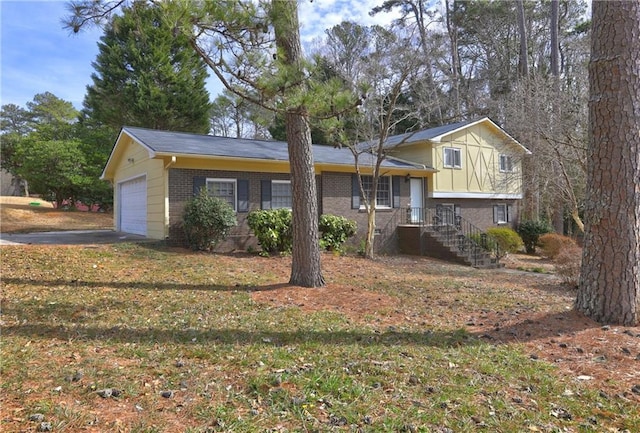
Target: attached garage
<point x="133" y="206"/>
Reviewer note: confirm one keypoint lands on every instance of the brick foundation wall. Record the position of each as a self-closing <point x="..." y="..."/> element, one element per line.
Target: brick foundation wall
<point x="181" y="190"/>
<point x="334" y="190"/>
<point x="479" y="212"/>
<point x="337" y="201"/>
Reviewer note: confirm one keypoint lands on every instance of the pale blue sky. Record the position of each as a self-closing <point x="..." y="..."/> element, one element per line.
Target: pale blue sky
<point x="37" y="55"/>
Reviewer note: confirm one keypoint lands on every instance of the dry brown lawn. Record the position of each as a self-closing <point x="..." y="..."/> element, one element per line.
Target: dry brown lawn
<point x="523" y="305"/>
<point x="27" y="214"/>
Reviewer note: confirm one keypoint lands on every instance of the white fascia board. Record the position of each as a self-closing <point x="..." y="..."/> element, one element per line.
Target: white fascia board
<point x="113" y="150"/>
<point x="438" y="139"/>
<point x="484" y="195"/>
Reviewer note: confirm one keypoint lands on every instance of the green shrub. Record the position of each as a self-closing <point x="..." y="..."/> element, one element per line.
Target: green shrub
<point x="334" y="231"/>
<point x="206" y="221"/>
<point x="273" y="229"/>
<point x="508" y="240"/>
<point x="530" y="231"/>
<point x="484" y="241"/>
<point x="552" y="244"/>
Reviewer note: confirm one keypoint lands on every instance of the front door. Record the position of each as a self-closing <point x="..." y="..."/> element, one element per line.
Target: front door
<point x="417" y="199"/>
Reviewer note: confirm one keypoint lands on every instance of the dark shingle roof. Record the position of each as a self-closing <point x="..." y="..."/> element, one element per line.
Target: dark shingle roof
<point x="180" y="143"/>
<point x="423" y="135"/>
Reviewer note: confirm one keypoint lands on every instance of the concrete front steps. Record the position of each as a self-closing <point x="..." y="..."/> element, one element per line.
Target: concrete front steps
<point x="445" y="243"/>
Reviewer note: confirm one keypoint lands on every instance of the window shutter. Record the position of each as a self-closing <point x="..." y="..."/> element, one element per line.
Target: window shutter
<point x="456" y="210"/>
<point x="199" y="182"/>
<point x="243" y="195"/>
<point x="495" y="214"/>
<point x="355" y="192"/>
<point x="395" y="188"/>
<point x="508" y="213"/>
<point x="265" y="191"/>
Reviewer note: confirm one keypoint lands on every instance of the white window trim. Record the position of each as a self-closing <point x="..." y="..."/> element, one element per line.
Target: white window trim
<point x="226" y="180"/>
<point x="362" y="206"/>
<point x="506" y="215"/>
<point x="444" y="157"/>
<point x="500" y="165"/>
<point x="282" y="182"/>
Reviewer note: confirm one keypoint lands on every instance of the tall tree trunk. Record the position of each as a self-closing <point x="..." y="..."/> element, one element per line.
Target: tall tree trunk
<point x="523" y="64"/>
<point x="609" y="286"/>
<point x="554" y="127"/>
<point x="305" y="264"/>
<point x="555" y="53"/>
<point x="456" y="68"/>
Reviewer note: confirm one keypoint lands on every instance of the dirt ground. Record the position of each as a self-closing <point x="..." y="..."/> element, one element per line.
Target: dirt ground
<point x="607" y="356"/>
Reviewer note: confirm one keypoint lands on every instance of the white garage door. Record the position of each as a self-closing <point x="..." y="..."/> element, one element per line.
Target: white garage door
<point x="133" y="206"/>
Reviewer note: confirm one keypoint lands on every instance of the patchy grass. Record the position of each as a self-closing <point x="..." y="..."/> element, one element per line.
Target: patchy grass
<point x="27" y="215"/>
<point x="397" y="344"/>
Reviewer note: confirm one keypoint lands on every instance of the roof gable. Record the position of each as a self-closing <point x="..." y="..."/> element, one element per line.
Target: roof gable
<point x="439" y="132"/>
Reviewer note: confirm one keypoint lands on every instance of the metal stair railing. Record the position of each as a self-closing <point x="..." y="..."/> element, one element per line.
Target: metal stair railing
<point x="455" y="231"/>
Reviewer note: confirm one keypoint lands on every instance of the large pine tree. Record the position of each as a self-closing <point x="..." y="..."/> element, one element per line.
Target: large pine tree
<point x="147" y="75"/>
<point x="609" y="289"/>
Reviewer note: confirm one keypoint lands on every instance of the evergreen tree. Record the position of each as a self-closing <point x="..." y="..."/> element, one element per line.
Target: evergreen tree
<point x="254" y="49"/>
<point x="147" y="76"/>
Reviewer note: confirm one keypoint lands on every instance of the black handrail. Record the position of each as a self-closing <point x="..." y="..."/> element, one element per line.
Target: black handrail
<point x="456" y="231"/>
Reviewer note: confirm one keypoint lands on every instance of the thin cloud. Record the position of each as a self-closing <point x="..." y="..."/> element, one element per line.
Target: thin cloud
<point x="38" y="55"/>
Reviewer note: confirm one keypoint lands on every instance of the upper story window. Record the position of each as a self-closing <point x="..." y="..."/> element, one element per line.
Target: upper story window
<point x="281" y="194"/>
<point x="506" y="163"/>
<point x="383" y="193"/>
<point x="452" y="157"/>
<point x="224" y="189"/>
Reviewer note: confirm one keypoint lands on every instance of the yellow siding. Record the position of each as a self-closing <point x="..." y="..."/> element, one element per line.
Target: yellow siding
<point x="416" y="152"/>
<point x="156" y="210"/>
<point x="480" y="148"/>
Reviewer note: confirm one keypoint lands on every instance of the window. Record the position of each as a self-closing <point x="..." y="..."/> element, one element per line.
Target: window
<point x="506" y="164"/>
<point x="224" y="189"/>
<point x="501" y="213"/>
<point x="452" y="158"/>
<point x="280" y="194"/>
<point x="383" y="194"/>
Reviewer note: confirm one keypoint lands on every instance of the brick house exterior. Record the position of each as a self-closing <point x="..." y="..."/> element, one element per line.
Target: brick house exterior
<point x="473" y="168"/>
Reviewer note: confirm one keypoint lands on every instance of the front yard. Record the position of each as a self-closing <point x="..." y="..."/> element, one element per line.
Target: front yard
<point x="142" y="338"/>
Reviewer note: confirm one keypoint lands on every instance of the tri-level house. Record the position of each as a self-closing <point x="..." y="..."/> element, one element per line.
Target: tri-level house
<point x="457" y="179"/>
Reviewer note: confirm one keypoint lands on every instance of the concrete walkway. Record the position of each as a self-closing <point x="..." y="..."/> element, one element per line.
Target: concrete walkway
<point x="72" y="237"/>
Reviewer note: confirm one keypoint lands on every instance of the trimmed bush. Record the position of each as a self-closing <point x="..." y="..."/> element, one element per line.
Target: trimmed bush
<point x="484" y="241"/>
<point x="530" y="231"/>
<point x="567" y="263"/>
<point x="206" y="221"/>
<point x="272" y="227"/>
<point x="334" y="231"/>
<point x="552" y="244"/>
<point x="507" y="239"/>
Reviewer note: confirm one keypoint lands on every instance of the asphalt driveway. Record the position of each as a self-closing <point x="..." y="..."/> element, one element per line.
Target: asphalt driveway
<point x="72" y="237"/>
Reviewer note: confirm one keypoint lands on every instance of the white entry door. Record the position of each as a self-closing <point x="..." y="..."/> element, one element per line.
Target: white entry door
<point x="417" y="199"/>
<point x="133" y="206"/>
